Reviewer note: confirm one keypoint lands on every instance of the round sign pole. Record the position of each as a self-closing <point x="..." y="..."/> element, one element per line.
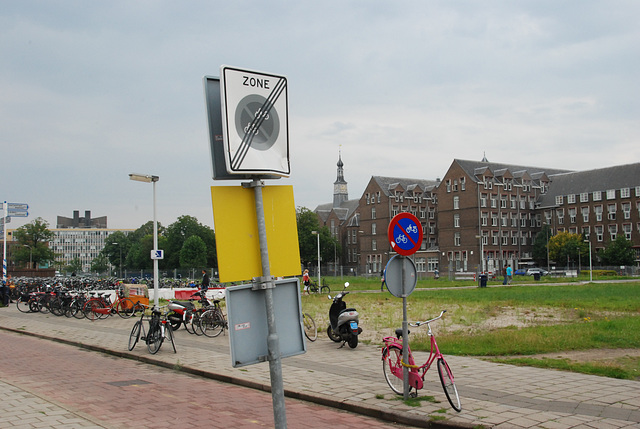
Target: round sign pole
<point x="405" y="237"/>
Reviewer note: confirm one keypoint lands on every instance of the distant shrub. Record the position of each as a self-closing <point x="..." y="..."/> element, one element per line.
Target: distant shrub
<point x="602" y="273"/>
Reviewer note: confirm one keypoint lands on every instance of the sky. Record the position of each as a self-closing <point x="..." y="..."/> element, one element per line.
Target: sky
<point x="91" y="91"/>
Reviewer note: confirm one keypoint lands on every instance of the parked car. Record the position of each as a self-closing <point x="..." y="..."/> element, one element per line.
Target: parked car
<point x="521" y="272"/>
<point x="534" y="271"/>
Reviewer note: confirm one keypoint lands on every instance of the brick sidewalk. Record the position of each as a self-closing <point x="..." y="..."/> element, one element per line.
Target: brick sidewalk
<point x="492" y="395"/>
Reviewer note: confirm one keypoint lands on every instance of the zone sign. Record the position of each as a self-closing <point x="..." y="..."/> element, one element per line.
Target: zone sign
<point x="255" y="122"/>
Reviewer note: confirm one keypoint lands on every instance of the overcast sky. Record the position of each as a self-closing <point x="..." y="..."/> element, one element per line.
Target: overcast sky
<point x="91" y="91"/>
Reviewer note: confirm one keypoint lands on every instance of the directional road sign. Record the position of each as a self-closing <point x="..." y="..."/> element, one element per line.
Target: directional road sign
<point x="18" y="206"/>
<point x="255" y="122"/>
<point x="17" y="213"/>
<point x="157" y="254"/>
<point x="405" y="234"/>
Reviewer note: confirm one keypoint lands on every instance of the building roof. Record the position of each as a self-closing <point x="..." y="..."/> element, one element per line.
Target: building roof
<point x="473" y="168"/>
<point x="601" y="179"/>
<point x="390" y="183"/>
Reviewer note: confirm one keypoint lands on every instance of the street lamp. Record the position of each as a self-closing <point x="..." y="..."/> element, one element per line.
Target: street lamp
<point x="120" y="246"/>
<point x="30" y="254"/>
<point x="590" y="263"/>
<point x="481" y="253"/>
<point x="317" y="234"/>
<point x="147" y="178"/>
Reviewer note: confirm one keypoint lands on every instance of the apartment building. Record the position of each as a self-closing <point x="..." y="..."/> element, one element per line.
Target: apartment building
<point x="483" y="216"/>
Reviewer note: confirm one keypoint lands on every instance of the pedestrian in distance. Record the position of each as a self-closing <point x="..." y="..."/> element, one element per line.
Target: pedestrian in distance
<point x="383" y="283"/>
<point x="205" y="281"/>
<point x="509" y="274"/>
<point x="306" y="280"/>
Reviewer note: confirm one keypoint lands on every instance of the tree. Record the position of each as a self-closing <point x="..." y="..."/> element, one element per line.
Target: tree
<point x="619" y="252"/>
<point x="33" y="240"/>
<point x="307" y="221"/>
<point x="539" y="251"/>
<point x="179" y="232"/>
<point x="193" y="253"/>
<point x="565" y="246"/>
<point x="75" y="266"/>
<point x="329" y="247"/>
<point x="100" y="264"/>
<point x="116" y="248"/>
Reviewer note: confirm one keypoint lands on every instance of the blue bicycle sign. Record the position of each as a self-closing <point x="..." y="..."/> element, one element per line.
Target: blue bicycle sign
<point x="405" y="234"/>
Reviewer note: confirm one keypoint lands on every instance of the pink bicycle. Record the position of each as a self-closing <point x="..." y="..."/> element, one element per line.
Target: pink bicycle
<point x="392" y="366"/>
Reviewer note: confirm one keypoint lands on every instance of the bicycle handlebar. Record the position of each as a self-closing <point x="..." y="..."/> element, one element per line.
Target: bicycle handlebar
<point x="428" y="321"/>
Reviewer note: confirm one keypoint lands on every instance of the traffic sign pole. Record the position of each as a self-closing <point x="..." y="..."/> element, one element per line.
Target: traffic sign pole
<point x="266" y="283"/>
<point x="405" y="237"/>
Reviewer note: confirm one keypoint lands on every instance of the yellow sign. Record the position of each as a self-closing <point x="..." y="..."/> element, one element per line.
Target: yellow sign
<point x="236" y="227"/>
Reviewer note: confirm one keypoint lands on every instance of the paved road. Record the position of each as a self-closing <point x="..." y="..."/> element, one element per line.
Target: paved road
<point x="56" y="385"/>
<point x="493" y="395"/>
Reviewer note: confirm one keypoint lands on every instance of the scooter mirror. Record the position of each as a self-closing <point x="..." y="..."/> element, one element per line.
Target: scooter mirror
<point x="346" y="284"/>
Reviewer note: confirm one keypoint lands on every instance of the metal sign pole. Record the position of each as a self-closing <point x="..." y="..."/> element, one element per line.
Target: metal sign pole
<point x="267" y="284"/>
<point x="4" y="232"/>
<point x="405" y="337"/>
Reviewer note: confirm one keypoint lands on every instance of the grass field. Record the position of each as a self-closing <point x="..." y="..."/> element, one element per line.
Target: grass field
<point x="507" y="323"/>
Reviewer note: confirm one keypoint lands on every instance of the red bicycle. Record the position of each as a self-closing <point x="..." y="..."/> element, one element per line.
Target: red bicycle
<point x="392" y="366"/>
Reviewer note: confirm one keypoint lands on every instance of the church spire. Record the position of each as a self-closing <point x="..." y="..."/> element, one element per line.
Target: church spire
<point x="340" y="193"/>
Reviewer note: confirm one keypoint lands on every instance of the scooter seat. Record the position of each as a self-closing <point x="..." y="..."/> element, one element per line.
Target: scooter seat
<point x="347" y="309"/>
<point x="399" y="333"/>
<point x="186" y="304"/>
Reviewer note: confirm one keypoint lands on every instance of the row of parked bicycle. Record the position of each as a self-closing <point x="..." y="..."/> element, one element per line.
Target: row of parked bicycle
<point x="198" y="315"/>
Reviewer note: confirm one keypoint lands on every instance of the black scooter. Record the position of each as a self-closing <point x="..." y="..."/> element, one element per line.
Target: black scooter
<point x="344" y="322"/>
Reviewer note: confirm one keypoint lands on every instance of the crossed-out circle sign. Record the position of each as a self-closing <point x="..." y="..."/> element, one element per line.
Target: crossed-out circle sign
<point x="255" y="126"/>
<point x="405" y="234"/>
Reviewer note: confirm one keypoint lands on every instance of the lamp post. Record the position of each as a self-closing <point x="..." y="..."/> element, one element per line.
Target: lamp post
<point x="147" y="178"/>
<point x="481" y="253"/>
<point x="120" y="247"/>
<point x="590" y="263"/>
<point x="317" y="234"/>
<point x="30" y="254"/>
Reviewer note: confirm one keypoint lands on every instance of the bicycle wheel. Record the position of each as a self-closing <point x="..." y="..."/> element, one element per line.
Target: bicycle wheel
<point x="154" y="337"/>
<point x="188" y="322"/>
<point x="55" y="306"/>
<point x="212" y="323"/>
<point x="310" y="329"/>
<point x="325" y="290"/>
<point x="95" y="309"/>
<point x="124" y="308"/>
<point x="168" y="334"/>
<point x="23" y="304"/>
<point x="446" y="378"/>
<point x="134" y="336"/>
<point x="392" y="368"/>
<point x="76" y="309"/>
<point x="43" y="304"/>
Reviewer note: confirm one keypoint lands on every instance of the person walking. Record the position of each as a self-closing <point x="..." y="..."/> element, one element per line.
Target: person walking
<point x="382" y="280"/>
<point x="205" y="281"/>
<point x="509" y="274"/>
<point x="306" y="280"/>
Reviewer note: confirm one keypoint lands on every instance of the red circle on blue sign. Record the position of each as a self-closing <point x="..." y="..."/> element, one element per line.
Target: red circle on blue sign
<point x="405" y="234"/>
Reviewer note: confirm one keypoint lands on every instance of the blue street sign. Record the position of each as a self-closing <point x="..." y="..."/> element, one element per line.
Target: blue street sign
<point x="405" y="234"/>
<point x="18" y="206"/>
<point x="157" y="254"/>
<point x="17" y="213"/>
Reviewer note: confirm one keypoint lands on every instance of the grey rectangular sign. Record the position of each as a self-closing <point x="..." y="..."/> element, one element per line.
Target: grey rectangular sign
<point x="248" y="331"/>
<point x="216" y="142"/>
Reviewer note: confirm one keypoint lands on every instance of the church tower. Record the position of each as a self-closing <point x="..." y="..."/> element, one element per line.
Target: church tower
<point x="340" y="193"/>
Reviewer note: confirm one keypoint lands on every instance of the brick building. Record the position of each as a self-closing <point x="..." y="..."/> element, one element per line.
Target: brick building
<point x="483" y="216"/>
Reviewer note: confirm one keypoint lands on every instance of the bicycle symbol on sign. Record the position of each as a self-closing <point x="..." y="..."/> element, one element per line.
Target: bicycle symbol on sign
<point x="412" y="229"/>
<point x="401" y="239"/>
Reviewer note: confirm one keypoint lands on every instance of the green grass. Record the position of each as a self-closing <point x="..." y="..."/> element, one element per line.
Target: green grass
<point x="589" y="316"/>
